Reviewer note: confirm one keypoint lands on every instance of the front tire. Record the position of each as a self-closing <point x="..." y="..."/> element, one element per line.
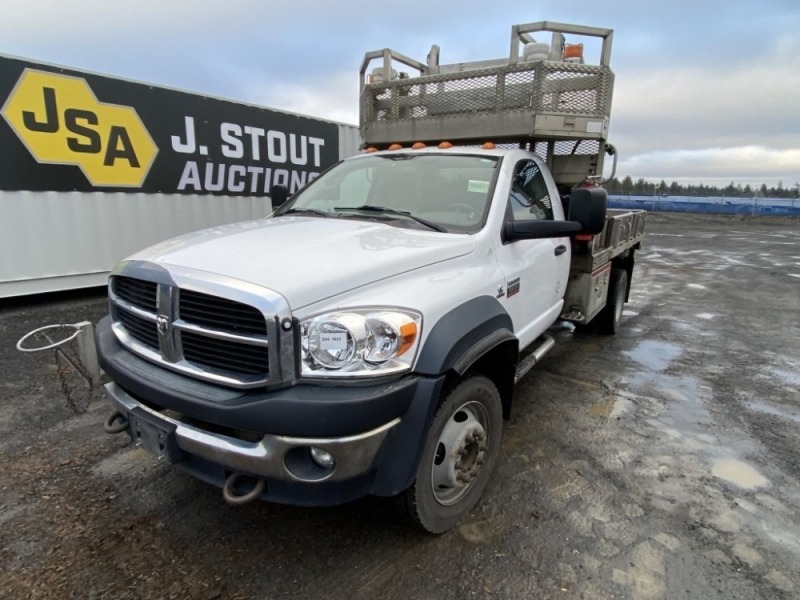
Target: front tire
<point x="459" y="455"/>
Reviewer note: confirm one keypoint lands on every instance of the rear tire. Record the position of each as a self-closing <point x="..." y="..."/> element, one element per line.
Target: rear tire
<point x="608" y="319"/>
<point x="458" y="458"/>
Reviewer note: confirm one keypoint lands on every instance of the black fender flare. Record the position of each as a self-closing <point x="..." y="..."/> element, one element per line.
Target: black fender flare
<point x="463" y="335"/>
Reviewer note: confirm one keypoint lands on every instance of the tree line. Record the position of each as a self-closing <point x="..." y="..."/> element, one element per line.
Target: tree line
<point x="628" y="187"/>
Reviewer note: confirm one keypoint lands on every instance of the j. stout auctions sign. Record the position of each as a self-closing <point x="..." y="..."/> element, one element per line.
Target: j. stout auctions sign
<point x="64" y="130"/>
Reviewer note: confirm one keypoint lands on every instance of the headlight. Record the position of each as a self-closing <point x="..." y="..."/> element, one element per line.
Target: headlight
<point x="360" y="342"/>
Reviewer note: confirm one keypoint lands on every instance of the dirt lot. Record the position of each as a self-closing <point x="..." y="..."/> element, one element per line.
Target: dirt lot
<point x="659" y="463"/>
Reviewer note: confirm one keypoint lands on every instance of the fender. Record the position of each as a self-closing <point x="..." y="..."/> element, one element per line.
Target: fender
<point x="463" y="335"/>
<point x="456" y="342"/>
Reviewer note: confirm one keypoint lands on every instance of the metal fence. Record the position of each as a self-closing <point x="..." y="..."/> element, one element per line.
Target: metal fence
<point x="710" y="205"/>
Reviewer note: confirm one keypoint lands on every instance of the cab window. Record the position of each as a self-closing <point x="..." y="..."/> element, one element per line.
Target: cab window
<point x="529" y="198"/>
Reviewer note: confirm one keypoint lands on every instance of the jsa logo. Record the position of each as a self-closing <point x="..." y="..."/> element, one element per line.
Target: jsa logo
<point x="60" y="121"/>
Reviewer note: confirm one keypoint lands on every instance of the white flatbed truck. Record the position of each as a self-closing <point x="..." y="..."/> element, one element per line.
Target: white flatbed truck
<point x="366" y="337"/>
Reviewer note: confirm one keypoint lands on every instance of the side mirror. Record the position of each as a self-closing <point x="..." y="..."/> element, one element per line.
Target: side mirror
<point x="588" y="206"/>
<point x="279" y="194"/>
<point x="536" y="230"/>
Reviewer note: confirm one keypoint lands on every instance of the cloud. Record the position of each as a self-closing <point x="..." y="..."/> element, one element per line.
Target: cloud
<point x="746" y="164"/>
<point x="694" y="79"/>
<point x="334" y="97"/>
<point x="701" y="107"/>
<point x="696" y="121"/>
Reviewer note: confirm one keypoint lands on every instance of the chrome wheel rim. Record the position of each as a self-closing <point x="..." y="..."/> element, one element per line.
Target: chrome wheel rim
<point x="460" y="453"/>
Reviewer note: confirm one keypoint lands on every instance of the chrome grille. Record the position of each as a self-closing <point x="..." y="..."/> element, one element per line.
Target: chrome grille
<point x="200" y="334"/>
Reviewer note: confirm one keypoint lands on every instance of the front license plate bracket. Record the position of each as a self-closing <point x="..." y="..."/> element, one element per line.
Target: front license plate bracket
<point x="155" y="435"/>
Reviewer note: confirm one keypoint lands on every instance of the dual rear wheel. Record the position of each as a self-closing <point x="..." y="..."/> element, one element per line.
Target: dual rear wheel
<point x="608" y="319"/>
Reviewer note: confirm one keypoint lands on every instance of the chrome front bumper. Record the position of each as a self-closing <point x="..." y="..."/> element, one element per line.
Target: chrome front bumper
<point x="272" y="456"/>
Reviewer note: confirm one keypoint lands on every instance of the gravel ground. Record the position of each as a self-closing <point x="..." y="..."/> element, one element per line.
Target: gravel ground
<point x="658" y="463"/>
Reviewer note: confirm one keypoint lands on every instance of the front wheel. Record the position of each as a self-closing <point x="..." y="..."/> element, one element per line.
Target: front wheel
<point x="458" y="458"/>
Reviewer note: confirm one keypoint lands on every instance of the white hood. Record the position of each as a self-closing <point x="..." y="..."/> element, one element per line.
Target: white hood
<point x="308" y="259"/>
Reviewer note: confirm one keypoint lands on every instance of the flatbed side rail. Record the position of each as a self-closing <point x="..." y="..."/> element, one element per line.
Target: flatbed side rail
<point x="624" y="230"/>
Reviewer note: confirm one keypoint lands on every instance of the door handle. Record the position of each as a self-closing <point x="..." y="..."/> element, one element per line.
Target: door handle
<point x="560" y="249"/>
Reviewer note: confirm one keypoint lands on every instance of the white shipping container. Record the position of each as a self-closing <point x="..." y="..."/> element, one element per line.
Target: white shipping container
<point x="95" y="168"/>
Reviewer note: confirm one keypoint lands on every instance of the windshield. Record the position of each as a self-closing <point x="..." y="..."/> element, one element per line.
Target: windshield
<point x="443" y="192"/>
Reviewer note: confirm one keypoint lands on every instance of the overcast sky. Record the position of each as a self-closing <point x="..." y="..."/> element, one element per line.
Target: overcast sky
<point x="706" y="90"/>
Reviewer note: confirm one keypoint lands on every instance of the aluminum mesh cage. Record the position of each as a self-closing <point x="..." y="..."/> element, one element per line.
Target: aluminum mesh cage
<point x="498" y="102"/>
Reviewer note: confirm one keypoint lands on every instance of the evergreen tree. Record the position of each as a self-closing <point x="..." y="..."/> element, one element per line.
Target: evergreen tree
<point x="642" y="187"/>
<point x="627" y="185"/>
<point x="730" y="190"/>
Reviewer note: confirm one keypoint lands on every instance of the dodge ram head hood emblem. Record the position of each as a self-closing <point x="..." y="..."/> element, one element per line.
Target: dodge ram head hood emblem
<point x="162" y="323"/>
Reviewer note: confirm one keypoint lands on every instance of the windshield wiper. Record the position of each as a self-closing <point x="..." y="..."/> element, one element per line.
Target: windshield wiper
<point x="310" y="211"/>
<point x="392" y="211"/>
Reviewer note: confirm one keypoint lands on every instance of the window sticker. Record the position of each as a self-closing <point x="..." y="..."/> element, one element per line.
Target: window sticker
<point x="476" y="185"/>
<point x="333" y="341"/>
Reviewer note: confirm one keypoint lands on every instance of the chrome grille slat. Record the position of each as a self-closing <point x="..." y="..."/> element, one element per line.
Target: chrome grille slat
<point x="253" y="340"/>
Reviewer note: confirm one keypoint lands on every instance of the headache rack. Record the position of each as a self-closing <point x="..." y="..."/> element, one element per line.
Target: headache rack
<point x="542" y="96"/>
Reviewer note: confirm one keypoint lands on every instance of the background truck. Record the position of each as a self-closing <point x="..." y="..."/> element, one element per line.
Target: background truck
<point x="96" y="167"/>
<point x="366" y="337"/>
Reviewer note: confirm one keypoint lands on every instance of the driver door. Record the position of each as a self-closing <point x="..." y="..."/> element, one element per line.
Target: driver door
<point x="536" y="271"/>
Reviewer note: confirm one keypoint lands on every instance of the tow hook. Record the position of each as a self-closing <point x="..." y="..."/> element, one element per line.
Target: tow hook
<point x="116" y="423"/>
<point x="230" y="496"/>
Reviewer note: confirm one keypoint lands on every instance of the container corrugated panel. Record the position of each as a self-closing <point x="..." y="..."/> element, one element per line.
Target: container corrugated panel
<point x="349" y="140"/>
<point x="65" y="240"/>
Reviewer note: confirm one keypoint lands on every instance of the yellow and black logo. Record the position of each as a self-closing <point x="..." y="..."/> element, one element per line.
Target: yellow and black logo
<point x="60" y="121"/>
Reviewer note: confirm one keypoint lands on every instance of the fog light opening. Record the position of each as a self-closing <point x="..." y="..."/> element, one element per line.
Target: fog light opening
<point x="308" y="463"/>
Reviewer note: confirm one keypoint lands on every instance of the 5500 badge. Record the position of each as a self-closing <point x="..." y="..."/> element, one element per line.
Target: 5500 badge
<point x="60" y="121"/>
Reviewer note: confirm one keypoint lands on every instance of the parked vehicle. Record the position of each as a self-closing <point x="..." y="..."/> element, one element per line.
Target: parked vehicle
<point x="366" y="337"/>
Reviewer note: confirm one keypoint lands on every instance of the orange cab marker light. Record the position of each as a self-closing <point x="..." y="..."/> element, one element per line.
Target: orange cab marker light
<point x="417" y="146"/>
<point x="573" y="51"/>
<point x="488" y="145"/>
<point x="371" y="149"/>
<point x="445" y="145"/>
<point x="395" y="147"/>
